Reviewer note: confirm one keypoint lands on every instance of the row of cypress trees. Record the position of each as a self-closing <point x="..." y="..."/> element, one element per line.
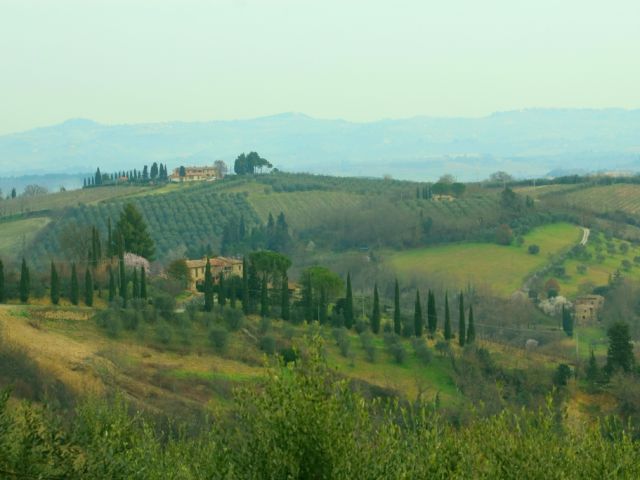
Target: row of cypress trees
<point x="466" y="334"/>
<point x="74" y="288"/>
<point x="55" y="292"/>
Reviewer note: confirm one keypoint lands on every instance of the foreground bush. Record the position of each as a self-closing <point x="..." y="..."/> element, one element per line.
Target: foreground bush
<point x="306" y="423"/>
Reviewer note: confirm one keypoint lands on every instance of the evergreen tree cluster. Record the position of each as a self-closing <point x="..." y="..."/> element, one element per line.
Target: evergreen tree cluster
<point x="238" y="238"/>
<point x="248" y="164"/>
<point x="157" y="174"/>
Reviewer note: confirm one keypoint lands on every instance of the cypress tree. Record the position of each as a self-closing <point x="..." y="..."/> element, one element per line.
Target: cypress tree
<point x="109" y="239"/>
<point x="208" y="287"/>
<point x="397" y="321"/>
<point x="254" y="287"/>
<point x="55" y="285"/>
<point x="447" y="318"/>
<point x="74" y="293"/>
<point x="112" y="286"/>
<point x="2" y="294"/>
<point x="471" y="328"/>
<point x="88" y="288"/>
<point x="348" y="307"/>
<point x="417" y="316"/>
<point x="123" y="283"/>
<point x="284" y="300"/>
<point x="222" y="294"/>
<point x="25" y="282"/>
<point x="307" y="298"/>
<point x="432" y="314"/>
<point x="264" y="297"/>
<point x="375" y="314"/>
<point x="232" y="294"/>
<point x="592" y="370"/>
<point x="143" y="283"/>
<point x="462" y="331"/>
<point x="567" y="322"/>
<point x="245" y="287"/>
<point x="136" y="286"/>
<point x="322" y="314"/>
<point x="620" y="351"/>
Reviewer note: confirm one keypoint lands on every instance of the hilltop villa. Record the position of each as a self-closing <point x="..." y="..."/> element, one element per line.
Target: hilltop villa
<point x="227" y="266"/>
<point x="194" y="174"/>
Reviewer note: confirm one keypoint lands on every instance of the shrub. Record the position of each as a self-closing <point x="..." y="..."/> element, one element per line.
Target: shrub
<point x="562" y="375"/>
<point x="218" y="337"/>
<point x="443" y="348"/>
<point x="165" y="305"/>
<point x="265" y="325"/>
<point x="534" y="249"/>
<point x="233" y="318"/>
<point x="422" y="351"/>
<point x="366" y="338"/>
<point x="268" y="344"/>
<point x="163" y="333"/>
<point x="289" y="332"/>
<point x="398" y="352"/>
<point x="395" y="347"/>
<point x="361" y="325"/>
<point x="342" y="340"/>
<point x="110" y="320"/>
<point x="131" y="319"/>
<point x="288" y="354"/>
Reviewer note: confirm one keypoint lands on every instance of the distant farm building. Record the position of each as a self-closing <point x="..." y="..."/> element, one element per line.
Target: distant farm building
<point x="219" y="265"/>
<point x="194" y="174"/>
<point x="443" y="198"/>
<point x="587" y="308"/>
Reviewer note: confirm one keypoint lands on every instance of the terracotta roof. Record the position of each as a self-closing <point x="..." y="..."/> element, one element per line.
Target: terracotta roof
<point x="214" y="262"/>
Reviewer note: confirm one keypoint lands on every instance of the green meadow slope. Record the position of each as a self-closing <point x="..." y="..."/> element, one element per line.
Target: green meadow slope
<point x="500" y="269"/>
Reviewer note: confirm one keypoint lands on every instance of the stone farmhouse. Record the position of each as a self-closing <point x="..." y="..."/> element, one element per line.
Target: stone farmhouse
<point x="194" y="174"/>
<point x="587" y="308"/>
<point x="219" y="265"/>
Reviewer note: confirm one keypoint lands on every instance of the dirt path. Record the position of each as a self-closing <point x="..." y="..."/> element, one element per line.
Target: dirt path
<point x="585" y="235"/>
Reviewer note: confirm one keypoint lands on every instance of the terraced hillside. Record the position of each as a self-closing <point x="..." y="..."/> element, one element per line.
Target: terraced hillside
<point x="607" y="198"/>
<point x="189" y="218"/>
<point x="333" y="212"/>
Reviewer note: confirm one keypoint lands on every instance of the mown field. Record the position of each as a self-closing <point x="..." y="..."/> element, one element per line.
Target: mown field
<point x="501" y="269"/>
<point x="16" y="234"/>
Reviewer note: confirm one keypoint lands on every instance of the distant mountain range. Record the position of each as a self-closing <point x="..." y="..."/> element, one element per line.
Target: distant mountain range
<point x="523" y="143"/>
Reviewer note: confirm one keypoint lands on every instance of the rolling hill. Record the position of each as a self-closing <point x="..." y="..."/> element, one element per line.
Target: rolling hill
<point x="526" y="142"/>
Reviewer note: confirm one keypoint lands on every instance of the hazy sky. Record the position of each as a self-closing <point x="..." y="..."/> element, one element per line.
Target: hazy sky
<point x="145" y="61"/>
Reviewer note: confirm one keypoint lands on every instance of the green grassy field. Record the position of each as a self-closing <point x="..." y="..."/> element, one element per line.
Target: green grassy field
<point x="499" y="268"/>
<point x="14" y="234"/>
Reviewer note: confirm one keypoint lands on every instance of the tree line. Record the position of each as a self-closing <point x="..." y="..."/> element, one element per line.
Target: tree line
<point x="158" y="173"/>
